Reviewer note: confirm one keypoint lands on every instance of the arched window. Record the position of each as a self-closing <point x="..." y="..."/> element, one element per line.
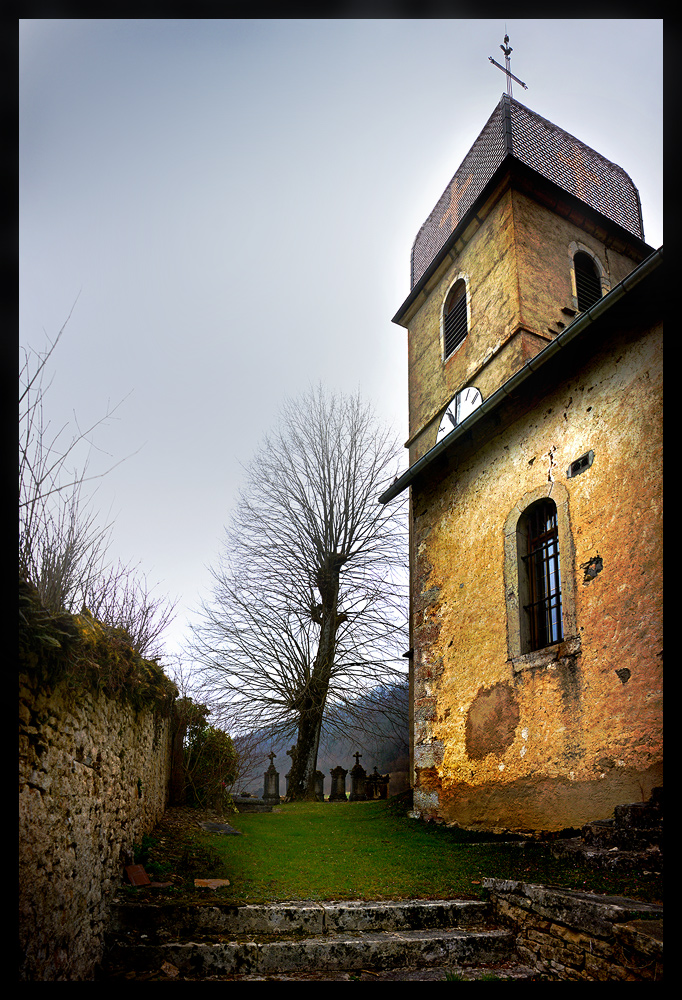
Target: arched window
<point x="587" y="281"/>
<point x="455" y="323"/>
<point x="539" y="576"/>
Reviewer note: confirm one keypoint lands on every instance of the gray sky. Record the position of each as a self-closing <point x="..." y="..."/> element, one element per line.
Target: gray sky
<point x="233" y="204"/>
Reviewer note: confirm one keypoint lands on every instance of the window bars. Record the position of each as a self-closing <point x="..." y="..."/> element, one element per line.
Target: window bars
<point x="544" y="581"/>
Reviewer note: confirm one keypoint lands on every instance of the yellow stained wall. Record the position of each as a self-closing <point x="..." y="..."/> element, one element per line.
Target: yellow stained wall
<point x="526" y="746"/>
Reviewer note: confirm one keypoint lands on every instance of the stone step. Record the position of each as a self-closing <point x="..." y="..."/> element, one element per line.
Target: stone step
<point x="607" y="834"/>
<point x="377" y="950"/>
<point x="635" y="824"/>
<point x="213" y="940"/>
<point x="613" y="857"/>
<point x="160" y="923"/>
<point x="641" y="814"/>
<point x="432" y="973"/>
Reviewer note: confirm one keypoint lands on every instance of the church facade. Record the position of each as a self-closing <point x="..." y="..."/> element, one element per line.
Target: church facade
<point x="534" y="327"/>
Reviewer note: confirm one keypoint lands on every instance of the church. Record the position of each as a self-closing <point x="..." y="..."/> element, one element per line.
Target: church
<point x="534" y="338"/>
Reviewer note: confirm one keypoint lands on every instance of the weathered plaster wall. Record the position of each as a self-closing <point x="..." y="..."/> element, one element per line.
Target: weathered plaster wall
<point x="545" y="243"/>
<point x="93" y="778"/>
<point x="545" y="742"/>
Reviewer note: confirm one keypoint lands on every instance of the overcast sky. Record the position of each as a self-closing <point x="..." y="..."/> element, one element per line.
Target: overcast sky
<point x="232" y="203"/>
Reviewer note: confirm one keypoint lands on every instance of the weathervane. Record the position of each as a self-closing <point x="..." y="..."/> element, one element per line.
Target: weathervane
<point x="507" y="49"/>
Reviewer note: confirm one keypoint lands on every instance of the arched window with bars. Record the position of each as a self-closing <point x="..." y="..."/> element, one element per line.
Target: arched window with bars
<point x="455" y="318"/>
<point x="539" y="576"/>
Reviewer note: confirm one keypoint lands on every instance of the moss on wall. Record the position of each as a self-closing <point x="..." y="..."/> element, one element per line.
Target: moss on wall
<point x="83" y="654"/>
<point x="94" y="773"/>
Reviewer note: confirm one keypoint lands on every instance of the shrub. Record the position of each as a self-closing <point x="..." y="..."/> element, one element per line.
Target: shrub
<point x="210" y="760"/>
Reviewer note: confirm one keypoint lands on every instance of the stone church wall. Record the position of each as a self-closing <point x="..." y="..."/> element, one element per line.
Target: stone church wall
<point x="93" y="778"/>
<point x="545" y="742"/>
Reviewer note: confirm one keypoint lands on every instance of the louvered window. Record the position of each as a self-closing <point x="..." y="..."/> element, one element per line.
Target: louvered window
<point x="455" y="318"/>
<point x="588" y="284"/>
<point x="542" y="590"/>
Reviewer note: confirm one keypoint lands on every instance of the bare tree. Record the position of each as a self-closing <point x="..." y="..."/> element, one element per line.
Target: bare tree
<point x="308" y="607"/>
<point x="61" y="543"/>
<point x="122" y="596"/>
<point x="63" y="546"/>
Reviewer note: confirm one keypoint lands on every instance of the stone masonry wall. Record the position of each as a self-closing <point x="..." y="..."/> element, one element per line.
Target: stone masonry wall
<point x="545" y="741"/>
<point x="93" y="778"/>
<point x="573" y="936"/>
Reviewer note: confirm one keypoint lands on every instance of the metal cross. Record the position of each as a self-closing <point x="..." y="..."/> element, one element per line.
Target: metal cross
<point x="507" y="49"/>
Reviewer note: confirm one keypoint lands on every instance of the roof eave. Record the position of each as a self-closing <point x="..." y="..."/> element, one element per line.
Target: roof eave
<point x="509" y="163"/>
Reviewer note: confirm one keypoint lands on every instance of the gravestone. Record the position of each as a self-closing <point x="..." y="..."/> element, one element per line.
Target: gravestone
<point x="338" y="792"/>
<point x="357" y="781"/>
<point x="271" y="782"/>
<point x="376" y="785"/>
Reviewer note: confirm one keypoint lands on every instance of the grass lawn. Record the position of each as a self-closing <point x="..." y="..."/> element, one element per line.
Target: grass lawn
<point x="367" y="850"/>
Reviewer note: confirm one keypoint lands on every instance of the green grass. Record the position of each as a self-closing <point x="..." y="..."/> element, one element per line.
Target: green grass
<point x="365" y="850"/>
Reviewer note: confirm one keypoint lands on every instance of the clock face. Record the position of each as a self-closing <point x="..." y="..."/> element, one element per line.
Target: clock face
<point x="463" y="404"/>
<point x="467" y="401"/>
<point x="449" y="420"/>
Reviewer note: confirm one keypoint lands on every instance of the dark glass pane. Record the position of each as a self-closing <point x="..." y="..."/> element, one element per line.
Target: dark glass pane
<point x="544" y="580"/>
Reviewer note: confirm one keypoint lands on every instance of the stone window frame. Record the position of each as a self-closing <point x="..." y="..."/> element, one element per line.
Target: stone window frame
<point x="461" y="276"/>
<point x="520" y="657"/>
<point x="577" y="247"/>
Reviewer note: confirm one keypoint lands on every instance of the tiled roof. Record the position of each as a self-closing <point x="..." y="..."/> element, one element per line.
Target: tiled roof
<point x="515" y="130"/>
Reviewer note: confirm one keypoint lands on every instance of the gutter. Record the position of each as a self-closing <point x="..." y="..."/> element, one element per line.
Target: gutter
<point x="516" y="381"/>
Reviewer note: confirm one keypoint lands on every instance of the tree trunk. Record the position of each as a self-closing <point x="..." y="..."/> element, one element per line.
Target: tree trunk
<point x="314" y="699"/>
<point x="304" y="759"/>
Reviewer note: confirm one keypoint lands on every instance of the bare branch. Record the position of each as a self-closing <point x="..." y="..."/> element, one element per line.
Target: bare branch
<point x="309" y="596"/>
<point x="63" y="547"/>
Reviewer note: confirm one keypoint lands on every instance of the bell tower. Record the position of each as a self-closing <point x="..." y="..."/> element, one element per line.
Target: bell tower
<point x="535" y="337"/>
<point x="533" y="228"/>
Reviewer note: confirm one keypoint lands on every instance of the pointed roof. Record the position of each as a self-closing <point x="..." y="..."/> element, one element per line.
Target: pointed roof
<point x="513" y="130"/>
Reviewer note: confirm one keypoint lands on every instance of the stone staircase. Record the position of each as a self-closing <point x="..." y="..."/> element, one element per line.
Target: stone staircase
<point x="632" y="839"/>
<point x="418" y="940"/>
